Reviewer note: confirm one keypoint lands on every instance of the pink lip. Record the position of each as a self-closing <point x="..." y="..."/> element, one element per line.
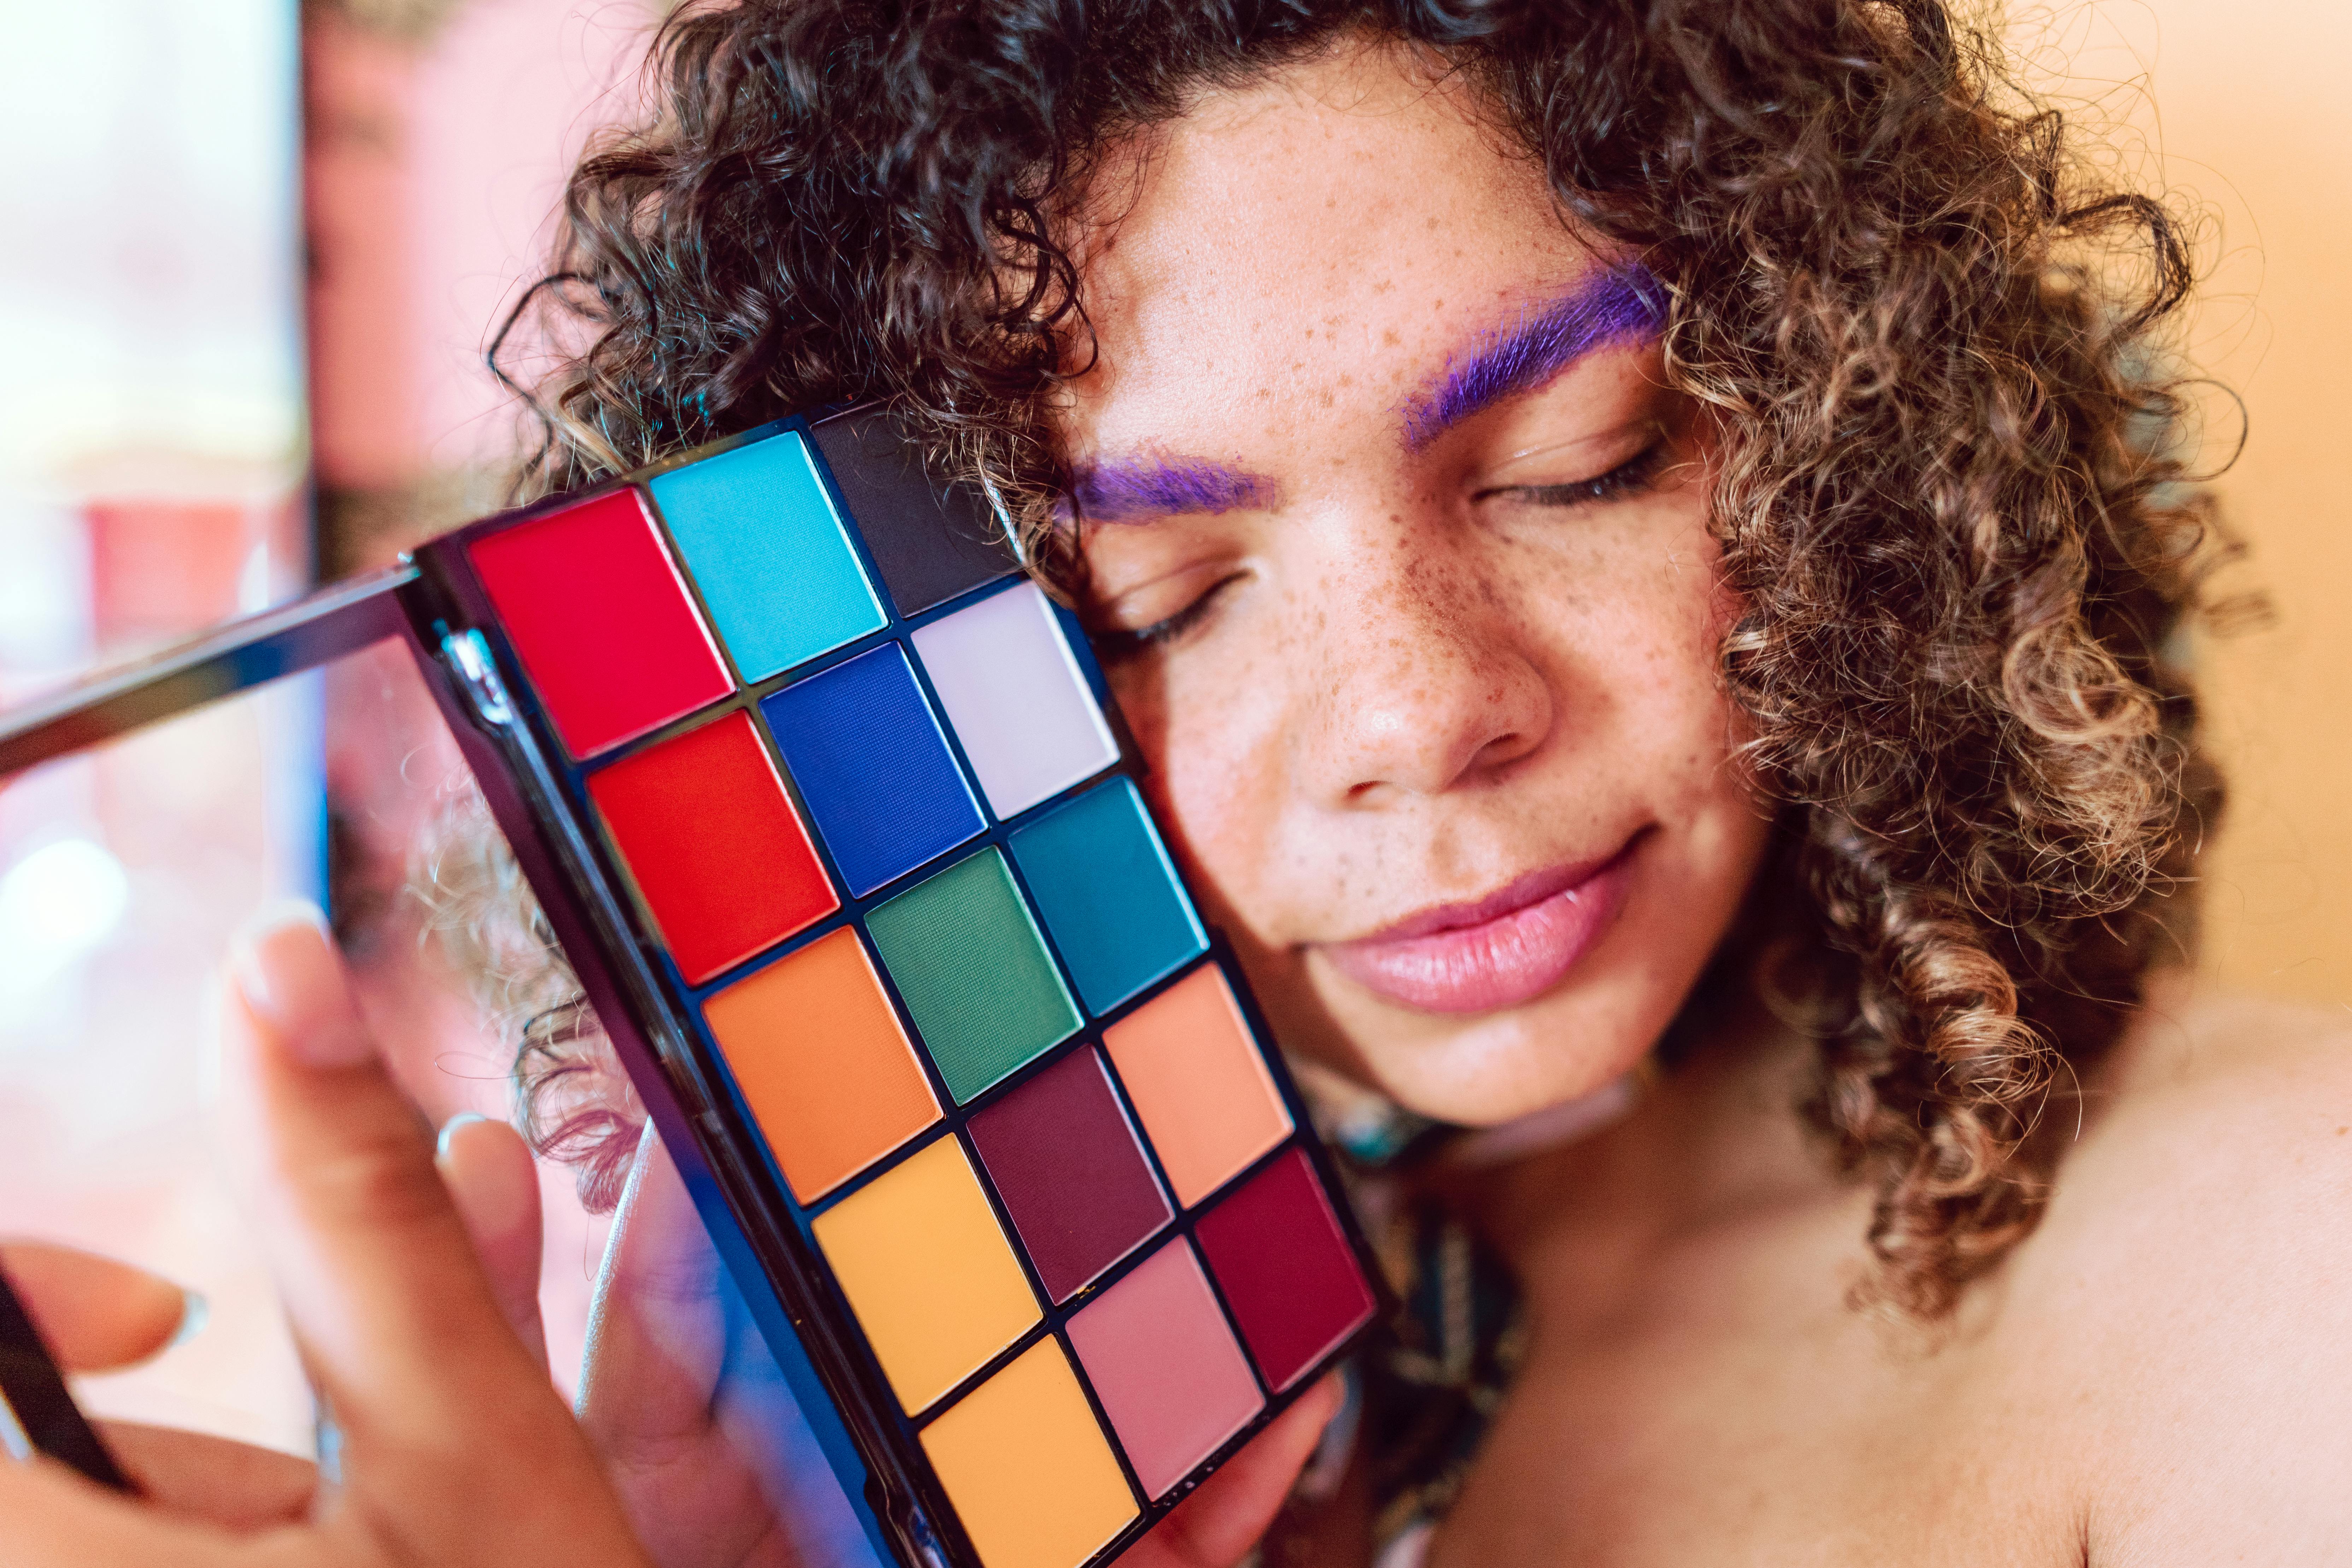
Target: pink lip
<point x="1492" y="953"/>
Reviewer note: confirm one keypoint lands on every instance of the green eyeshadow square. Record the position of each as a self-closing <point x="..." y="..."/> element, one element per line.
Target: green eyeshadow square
<point x="967" y="959"/>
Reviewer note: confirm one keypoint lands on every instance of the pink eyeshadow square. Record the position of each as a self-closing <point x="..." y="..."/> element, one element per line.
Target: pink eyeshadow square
<point x="1165" y="1367"/>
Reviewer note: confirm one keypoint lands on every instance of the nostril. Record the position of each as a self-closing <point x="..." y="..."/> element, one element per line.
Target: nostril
<point x="1502" y="751"/>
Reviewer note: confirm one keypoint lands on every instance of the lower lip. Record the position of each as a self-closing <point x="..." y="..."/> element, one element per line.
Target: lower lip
<point x="1497" y="963"/>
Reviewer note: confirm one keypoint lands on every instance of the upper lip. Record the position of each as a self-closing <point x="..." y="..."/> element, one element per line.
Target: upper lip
<point x="1512" y="897"/>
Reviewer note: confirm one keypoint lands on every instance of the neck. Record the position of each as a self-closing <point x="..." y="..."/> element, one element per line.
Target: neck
<point x="1714" y="1140"/>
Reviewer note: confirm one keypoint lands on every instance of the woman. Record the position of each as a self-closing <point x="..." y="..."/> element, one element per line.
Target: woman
<point x="1643" y="546"/>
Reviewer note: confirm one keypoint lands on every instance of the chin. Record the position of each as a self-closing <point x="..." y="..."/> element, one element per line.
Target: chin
<point x="1486" y="1069"/>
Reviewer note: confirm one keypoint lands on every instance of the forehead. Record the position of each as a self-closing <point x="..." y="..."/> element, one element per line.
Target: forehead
<point x="1336" y="231"/>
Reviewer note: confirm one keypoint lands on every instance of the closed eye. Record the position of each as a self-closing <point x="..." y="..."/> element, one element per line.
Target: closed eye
<point x="1636" y="473"/>
<point x="1114" y="645"/>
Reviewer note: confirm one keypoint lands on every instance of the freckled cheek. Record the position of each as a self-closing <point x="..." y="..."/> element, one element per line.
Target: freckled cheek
<point x="1699" y="731"/>
<point x="1651" y="652"/>
<point x="1212" y="741"/>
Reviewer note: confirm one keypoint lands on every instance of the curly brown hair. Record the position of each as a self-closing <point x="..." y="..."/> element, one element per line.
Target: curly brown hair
<point x="1949" y="496"/>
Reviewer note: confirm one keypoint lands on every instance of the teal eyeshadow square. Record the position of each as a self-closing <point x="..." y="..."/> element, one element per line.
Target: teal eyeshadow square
<point x="763" y="541"/>
<point x="1108" y="894"/>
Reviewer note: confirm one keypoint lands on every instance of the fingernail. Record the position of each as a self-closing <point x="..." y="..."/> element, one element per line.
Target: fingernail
<point x="195" y="1311"/>
<point x="450" y="1128"/>
<point x="292" y="979"/>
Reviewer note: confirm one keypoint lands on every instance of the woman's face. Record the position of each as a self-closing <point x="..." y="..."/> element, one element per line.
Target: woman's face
<point x="1418" y="636"/>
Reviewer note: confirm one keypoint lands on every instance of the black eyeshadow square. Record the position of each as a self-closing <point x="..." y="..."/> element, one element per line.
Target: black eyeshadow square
<point x="931" y="540"/>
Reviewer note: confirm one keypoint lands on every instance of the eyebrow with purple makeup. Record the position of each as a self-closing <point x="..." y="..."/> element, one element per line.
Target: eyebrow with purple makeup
<point x="1622" y="304"/>
<point x="1140" y="488"/>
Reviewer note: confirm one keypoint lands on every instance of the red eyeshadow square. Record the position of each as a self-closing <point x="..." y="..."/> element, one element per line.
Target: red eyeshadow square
<point x="1286" y="1269"/>
<point x="722" y="859"/>
<point x="601" y="620"/>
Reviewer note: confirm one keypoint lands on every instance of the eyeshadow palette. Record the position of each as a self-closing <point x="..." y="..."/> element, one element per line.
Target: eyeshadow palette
<point x="825" y="802"/>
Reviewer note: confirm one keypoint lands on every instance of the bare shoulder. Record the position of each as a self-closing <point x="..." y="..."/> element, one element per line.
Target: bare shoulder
<point x="2229" y="1115"/>
<point x="2193" y="1281"/>
<point x="2208" y="1187"/>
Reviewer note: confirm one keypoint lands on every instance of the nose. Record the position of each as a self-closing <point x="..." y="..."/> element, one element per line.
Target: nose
<point x="1430" y="681"/>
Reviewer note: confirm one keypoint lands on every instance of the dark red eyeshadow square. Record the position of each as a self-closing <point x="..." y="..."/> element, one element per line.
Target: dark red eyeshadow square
<point x="599" y="618"/>
<point x="1070" y="1172"/>
<point x="722" y="859"/>
<point x="1286" y="1269"/>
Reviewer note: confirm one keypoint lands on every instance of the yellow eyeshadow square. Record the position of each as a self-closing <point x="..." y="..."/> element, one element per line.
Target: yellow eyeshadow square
<point x="927" y="1271"/>
<point x="1027" y="1466"/>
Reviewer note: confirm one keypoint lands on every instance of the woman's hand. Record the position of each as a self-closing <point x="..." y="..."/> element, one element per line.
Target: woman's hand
<point x="412" y="1296"/>
<point x="456" y="1450"/>
<point x="98" y="1315"/>
<point x="673" y="1394"/>
<point x="662" y="1389"/>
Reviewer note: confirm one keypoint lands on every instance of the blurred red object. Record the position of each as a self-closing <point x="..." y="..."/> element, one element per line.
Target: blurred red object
<point x="163" y="566"/>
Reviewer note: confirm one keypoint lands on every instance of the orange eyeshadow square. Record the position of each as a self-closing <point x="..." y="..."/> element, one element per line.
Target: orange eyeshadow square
<point x="822" y="1061"/>
<point x="1198" y="1083"/>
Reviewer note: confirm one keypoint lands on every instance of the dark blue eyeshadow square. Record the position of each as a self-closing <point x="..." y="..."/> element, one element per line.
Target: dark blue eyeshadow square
<point x="873" y="767"/>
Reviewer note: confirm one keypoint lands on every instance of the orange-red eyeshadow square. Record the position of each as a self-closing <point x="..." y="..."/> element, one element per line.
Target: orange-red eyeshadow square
<point x="722" y="859"/>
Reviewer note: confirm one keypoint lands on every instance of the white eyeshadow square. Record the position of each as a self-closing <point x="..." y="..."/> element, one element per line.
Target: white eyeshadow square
<point x="1018" y="702"/>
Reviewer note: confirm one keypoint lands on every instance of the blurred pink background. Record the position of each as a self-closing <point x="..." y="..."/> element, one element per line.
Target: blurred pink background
<point x="254" y="253"/>
<point x="216" y="429"/>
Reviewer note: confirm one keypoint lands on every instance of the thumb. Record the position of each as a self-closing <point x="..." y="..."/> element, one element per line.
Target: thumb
<point x="657" y="1333"/>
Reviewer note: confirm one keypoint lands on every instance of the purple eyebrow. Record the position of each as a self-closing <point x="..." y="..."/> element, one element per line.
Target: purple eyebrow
<point x="1162" y="487"/>
<point x="1624" y="302"/>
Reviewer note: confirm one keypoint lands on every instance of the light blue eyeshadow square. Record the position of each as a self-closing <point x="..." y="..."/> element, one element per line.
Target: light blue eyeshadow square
<point x="762" y="542"/>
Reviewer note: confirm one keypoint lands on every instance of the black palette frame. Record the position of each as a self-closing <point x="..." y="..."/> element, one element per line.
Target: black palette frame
<point x="537" y="793"/>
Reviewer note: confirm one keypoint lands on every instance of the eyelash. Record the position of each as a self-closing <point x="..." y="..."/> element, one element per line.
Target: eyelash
<point x="1634" y="473"/>
<point x="1126" y="644"/>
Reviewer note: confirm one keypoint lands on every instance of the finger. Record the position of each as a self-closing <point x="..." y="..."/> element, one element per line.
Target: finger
<point x="56" y="1519"/>
<point x="494" y="1182"/>
<point x="231" y="1484"/>
<point x="455" y="1445"/>
<point x="656" y="1332"/>
<point x="1217" y="1526"/>
<point x="380" y="1278"/>
<point x="95" y="1314"/>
